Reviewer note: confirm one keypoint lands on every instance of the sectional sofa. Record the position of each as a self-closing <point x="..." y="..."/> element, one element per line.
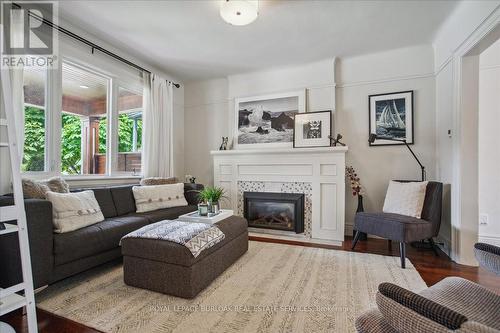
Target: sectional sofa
<point x="57" y="256"/>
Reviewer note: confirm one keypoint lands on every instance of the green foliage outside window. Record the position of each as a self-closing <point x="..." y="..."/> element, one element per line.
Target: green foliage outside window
<point x="34" y="139"/>
<point x="125" y="134"/>
<point x="71" y="145"/>
<point x="71" y="141"/>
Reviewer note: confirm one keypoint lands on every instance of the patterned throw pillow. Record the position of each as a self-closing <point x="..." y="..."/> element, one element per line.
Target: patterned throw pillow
<point x="158" y="181"/>
<point x="149" y="198"/>
<point x="34" y="189"/>
<point x="74" y="211"/>
<point x="405" y="198"/>
<point x="57" y="184"/>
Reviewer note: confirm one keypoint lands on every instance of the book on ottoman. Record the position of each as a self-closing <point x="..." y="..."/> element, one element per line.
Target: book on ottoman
<point x="196" y="217"/>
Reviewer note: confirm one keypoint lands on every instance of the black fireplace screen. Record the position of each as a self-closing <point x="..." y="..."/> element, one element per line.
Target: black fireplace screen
<point x="280" y="211"/>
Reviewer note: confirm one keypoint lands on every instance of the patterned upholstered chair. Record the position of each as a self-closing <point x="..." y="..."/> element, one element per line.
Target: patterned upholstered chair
<point x="451" y="305"/>
<point x="405" y="229"/>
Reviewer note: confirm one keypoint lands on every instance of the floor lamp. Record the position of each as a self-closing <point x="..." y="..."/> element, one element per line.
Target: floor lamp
<point x="374" y="137"/>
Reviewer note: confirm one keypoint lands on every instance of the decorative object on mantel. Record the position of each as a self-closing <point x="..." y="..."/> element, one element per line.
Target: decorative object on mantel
<point x="211" y="196"/>
<point x="374" y="137"/>
<point x="267" y="121"/>
<point x="312" y="129"/>
<point x="357" y="190"/>
<point x="391" y="117"/>
<point x="223" y="145"/>
<point x="190" y="179"/>
<point x="336" y="141"/>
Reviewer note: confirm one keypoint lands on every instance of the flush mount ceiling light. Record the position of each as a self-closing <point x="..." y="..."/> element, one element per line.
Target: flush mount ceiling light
<point x="84" y="87"/>
<point x="239" y="12"/>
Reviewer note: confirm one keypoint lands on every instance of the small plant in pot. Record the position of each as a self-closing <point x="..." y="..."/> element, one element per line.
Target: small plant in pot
<point x="211" y="196"/>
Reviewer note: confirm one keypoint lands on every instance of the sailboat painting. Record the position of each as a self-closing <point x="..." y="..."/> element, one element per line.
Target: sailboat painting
<point x="391" y="116"/>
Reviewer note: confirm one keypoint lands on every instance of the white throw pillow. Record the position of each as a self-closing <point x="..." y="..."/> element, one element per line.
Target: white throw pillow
<point x="72" y="211"/>
<point x="405" y="198"/>
<point x="148" y="198"/>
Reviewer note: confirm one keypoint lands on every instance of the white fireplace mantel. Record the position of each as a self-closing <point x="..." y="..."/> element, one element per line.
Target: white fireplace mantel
<point x="293" y="151"/>
<point x="322" y="168"/>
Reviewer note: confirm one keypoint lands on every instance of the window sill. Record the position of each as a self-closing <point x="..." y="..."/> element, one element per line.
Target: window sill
<point x="97" y="177"/>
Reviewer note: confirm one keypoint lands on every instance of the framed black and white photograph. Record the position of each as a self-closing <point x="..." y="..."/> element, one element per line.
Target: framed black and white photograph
<point x="391" y="116"/>
<point x="312" y="129"/>
<point x="267" y="121"/>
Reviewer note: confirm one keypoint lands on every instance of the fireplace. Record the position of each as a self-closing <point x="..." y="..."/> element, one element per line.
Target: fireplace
<point x="279" y="211"/>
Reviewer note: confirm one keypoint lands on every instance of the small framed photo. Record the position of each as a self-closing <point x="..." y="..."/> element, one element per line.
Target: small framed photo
<point x="391" y="116"/>
<point x="312" y="129"/>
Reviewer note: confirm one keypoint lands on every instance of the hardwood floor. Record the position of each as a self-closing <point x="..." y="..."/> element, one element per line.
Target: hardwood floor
<point x="431" y="268"/>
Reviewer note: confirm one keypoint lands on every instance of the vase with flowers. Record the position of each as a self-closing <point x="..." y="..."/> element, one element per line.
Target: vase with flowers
<point x="357" y="191"/>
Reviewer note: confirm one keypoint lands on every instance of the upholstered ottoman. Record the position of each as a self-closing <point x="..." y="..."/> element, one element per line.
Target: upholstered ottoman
<point x="170" y="268"/>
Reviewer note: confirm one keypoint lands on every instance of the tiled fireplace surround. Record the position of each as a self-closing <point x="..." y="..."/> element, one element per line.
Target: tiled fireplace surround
<point x="318" y="173"/>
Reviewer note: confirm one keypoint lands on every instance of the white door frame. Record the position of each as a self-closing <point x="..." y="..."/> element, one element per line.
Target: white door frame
<point x="464" y="191"/>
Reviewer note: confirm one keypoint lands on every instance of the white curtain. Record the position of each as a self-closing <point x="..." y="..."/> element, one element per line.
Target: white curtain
<point x="157" y="130"/>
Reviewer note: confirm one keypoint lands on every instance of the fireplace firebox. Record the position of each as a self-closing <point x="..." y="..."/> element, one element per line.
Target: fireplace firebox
<point x="279" y="211"/>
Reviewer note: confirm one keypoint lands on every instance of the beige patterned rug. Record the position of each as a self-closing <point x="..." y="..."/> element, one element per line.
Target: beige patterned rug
<point x="272" y="288"/>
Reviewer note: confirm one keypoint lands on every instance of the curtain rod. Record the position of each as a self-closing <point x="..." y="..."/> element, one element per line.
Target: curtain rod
<point x="89" y="43"/>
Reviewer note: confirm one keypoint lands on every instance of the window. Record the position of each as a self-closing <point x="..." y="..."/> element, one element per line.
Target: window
<point x="34" y="119"/>
<point x="75" y="125"/>
<point x="129" y="131"/>
<point x="84" y="121"/>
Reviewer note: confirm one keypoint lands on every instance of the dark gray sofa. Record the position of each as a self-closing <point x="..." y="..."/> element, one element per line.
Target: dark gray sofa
<point x="57" y="256"/>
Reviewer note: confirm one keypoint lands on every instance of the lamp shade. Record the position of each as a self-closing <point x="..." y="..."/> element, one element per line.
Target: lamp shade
<point x="239" y="12"/>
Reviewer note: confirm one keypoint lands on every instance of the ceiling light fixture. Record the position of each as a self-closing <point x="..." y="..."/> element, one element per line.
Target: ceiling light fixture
<point x="239" y="12"/>
<point x="84" y="87"/>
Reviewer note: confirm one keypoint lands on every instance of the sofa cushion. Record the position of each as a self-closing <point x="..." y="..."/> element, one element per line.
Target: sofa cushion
<point x="154" y="197"/>
<point x="37" y="189"/>
<point x="167" y="213"/>
<point x="94" y="239"/>
<point x="123" y="198"/>
<point x="173" y="253"/>
<point x="72" y="211"/>
<point x="158" y="181"/>
<point x="105" y="200"/>
<point x="393" y="226"/>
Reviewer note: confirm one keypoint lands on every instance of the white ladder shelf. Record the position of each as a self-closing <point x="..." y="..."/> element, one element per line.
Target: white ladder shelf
<point x="22" y="294"/>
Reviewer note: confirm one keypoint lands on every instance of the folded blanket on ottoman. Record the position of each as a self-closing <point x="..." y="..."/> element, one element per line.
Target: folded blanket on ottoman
<point x="195" y="236"/>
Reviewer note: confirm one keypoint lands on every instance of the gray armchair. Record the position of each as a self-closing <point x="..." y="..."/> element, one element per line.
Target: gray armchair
<point x="405" y="229"/>
<point x="451" y="305"/>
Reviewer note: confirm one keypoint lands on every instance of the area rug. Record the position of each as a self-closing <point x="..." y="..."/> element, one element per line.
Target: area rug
<point x="272" y="288"/>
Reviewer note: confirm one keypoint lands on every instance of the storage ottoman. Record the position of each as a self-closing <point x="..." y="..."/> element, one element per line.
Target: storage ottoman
<point x="170" y="268"/>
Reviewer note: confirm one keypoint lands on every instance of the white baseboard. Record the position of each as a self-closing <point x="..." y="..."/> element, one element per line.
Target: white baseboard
<point x="294" y="238"/>
<point x="444" y="244"/>
<point x="493" y="240"/>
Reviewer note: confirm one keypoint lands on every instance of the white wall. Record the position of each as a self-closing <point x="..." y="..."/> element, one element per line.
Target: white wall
<point x="465" y="19"/>
<point x="210" y="112"/>
<point x="206" y="122"/>
<point x="469" y="20"/>
<point x="489" y="143"/>
<point x="392" y="71"/>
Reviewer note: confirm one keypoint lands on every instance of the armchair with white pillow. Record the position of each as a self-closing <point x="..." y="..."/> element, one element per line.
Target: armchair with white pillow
<point x="412" y="212"/>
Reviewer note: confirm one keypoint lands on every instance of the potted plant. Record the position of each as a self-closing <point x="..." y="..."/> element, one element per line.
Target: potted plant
<point x="211" y="196"/>
<point x="357" y="190"/>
